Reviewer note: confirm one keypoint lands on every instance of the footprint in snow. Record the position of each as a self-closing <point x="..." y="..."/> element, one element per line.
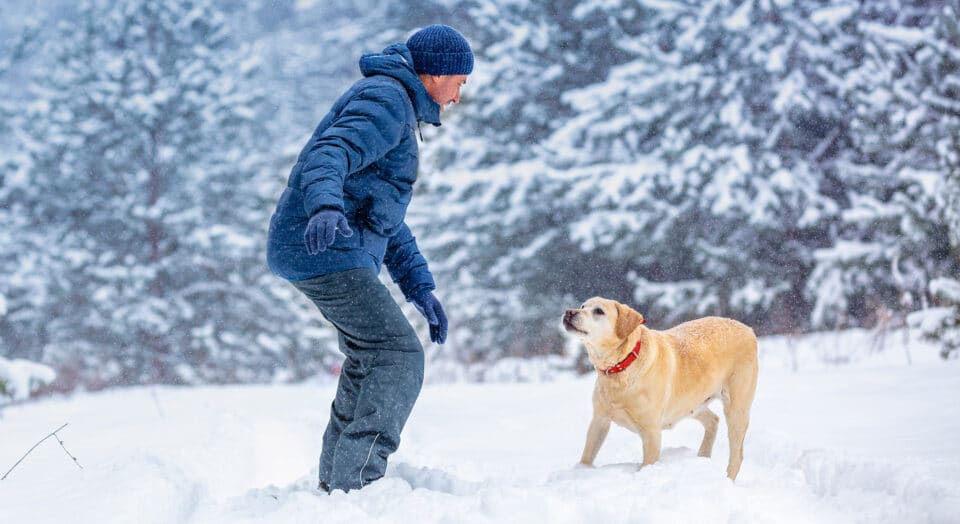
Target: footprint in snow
<point x="432" y="479"/>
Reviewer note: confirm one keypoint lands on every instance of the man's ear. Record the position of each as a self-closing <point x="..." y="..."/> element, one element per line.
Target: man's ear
<point x="627" y="320"/>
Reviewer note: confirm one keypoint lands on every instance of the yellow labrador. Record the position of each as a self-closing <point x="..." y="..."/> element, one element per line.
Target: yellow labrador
<point x="648" y="380"/>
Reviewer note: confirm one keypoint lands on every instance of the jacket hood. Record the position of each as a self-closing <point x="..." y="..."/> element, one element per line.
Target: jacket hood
<point x="396" y="62"/>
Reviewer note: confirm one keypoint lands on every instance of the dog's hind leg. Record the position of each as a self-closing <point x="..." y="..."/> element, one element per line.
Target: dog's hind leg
<point x="710" y="422"/>
<point x="737" y="421"/>
<point x="737" y="396"/>
<point x="596" y="434"/>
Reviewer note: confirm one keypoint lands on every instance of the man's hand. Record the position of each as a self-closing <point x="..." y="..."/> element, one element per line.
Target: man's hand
<point x="430" y="308"/>
<point x="322" y="230"/>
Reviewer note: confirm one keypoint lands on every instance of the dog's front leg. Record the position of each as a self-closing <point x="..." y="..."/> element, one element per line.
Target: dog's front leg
<point x="651" y="444"/>
<point x="596" y="434"/>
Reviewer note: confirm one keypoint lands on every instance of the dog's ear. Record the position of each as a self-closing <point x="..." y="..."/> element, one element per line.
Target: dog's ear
<point x="627" y="320"/>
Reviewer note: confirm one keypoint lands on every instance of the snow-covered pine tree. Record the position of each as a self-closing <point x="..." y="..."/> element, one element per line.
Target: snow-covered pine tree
<point x="725" y="134"/>
<point x="941" y="323"/>
<point x="310" y="54"/>
<point x="502" y="269"/>
<point x="17" y="280"/>
<point x="893" y="241"/>
<point x="18" y="378"/>
<point x="147" y="203"/>
<point x="676" y="157"/>
<point x="942" y="64"/>
<point x="14" y="54"/>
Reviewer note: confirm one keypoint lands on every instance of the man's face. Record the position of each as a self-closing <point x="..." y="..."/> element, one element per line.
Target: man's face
<point x="444" y="89"/>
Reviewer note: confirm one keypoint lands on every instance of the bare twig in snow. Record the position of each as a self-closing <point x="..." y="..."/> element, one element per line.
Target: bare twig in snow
<point x="54" y="435"/>
<point x="156" y="402"/>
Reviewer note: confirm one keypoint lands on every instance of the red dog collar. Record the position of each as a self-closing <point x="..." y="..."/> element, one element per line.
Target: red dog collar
<point x="625" y="363"/>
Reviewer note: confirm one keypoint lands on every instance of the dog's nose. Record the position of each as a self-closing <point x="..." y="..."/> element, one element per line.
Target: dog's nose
<point x="569" y="314"/>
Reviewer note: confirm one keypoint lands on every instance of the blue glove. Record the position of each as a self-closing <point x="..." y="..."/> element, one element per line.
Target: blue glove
<point x="430" y="308"/>
<point x="322" y="230"/>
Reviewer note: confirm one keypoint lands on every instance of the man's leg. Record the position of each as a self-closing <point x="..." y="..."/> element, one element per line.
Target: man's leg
<point x="341" y="414"/>
<point x="384" y="373"/>
<point x="386" y="399"/>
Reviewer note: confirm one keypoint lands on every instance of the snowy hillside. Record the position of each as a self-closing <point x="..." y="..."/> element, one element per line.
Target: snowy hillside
<point x="872" y="441"/>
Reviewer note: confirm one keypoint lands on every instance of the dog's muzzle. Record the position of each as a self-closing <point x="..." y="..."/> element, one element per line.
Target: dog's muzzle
<point x="568" y="317"/>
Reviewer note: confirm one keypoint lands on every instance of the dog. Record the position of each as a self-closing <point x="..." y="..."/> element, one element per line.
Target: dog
<point x="648" y="380"/>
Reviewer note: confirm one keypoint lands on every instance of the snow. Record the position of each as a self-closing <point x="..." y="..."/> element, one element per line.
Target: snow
<point x="930" y="320"/>
<point x="871" y="441"/>
<point x="833" y="16"/>
<point x="740" y="19"/>
<point x="20" y="377"/>
<point x="895" y="34"/>
<point x="947" y="288"/>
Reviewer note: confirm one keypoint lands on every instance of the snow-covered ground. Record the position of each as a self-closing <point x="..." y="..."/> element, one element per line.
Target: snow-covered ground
<point x="872" y="440"/>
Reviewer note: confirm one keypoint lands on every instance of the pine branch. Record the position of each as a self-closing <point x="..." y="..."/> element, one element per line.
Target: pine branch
<point x="54" y="435"/>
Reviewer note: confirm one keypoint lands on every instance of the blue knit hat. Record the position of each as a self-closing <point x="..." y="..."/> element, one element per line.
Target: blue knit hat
<point x="440" y="50"/>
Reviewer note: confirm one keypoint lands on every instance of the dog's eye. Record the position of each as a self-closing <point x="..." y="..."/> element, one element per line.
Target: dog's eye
<point x="597" y="311"/>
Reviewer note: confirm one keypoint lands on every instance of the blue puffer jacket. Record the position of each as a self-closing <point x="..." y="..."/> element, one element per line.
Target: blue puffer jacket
<point x="362" y="160"/>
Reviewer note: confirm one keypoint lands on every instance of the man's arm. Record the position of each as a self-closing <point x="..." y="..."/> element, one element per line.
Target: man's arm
<point x="409" y="270"/>
<point x="367" y="128"/>
<point x="407" y="267"/>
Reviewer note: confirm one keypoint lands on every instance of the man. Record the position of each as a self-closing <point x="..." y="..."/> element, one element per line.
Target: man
<point x="342" y="216"/>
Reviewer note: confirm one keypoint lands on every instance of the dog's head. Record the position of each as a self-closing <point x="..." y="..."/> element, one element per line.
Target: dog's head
<point x="601" y="322"/>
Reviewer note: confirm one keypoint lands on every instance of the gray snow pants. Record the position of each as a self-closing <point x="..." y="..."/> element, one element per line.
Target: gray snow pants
<point x="380" y="379"/>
